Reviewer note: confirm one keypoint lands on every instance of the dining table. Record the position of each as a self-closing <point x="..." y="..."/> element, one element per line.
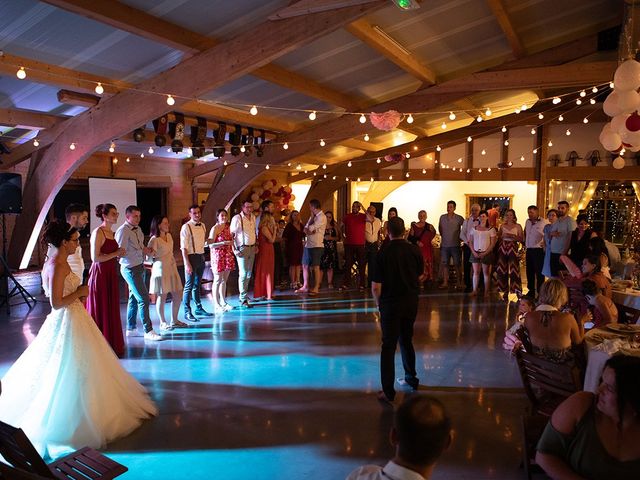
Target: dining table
<point x="604" y="342"/>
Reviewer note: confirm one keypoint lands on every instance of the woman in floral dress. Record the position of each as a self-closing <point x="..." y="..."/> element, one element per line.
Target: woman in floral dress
<point x="222" y="261"/>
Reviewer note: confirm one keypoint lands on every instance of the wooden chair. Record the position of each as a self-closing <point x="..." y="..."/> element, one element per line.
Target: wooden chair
<point x="546" y="383"/>
<point x="532" y="428"/>
<point x="84" y="464"/>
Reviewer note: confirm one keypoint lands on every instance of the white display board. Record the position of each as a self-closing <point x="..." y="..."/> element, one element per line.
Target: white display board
<point x="120" y="192"/>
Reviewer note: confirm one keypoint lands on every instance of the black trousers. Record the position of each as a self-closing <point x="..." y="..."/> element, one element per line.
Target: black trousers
<point x="192" y="282"/>
<point x="468" y="269"/>
<point x="535" y="262"/>
<point x="371" y="250"/>
<point x="396" y="321"/>
<point x="353" y="254"/>
<point x="555" y="264"/>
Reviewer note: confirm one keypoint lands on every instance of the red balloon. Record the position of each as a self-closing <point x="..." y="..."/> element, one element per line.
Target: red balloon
<point x="633" y="122"/>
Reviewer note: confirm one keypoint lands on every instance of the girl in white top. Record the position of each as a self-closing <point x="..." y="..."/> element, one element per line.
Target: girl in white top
<point x="481" y="241"/>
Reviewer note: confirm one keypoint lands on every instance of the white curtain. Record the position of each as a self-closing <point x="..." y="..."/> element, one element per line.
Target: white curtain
<point x="636" y="188"/>
<point x="578" y="194"/>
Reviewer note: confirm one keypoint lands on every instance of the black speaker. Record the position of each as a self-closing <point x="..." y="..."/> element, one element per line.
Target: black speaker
<point x="378" y="206"/>
<point x="10" y="193"/>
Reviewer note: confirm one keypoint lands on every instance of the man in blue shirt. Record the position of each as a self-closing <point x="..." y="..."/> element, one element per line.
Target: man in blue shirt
<point x="130" y="237"/>
<point x="561" y="236"/>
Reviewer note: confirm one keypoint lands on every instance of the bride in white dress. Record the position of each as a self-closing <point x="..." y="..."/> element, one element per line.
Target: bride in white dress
<point x="68" y="390"/>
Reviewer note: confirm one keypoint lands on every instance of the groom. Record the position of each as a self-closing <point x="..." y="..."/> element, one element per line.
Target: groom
<point x="76" y="215"/>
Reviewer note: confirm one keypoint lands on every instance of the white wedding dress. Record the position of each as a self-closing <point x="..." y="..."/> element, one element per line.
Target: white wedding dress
<point x="68" y="390"/>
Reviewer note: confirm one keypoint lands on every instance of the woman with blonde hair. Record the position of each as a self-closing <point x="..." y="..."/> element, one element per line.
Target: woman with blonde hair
<point x="222" y="260"/>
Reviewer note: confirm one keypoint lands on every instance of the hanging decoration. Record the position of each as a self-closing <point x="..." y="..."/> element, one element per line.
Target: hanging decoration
<point x="622" y="104"/>
<point x="394" y="157"/>
<point x="386" y="121"/>
<point x="281" y="197"/>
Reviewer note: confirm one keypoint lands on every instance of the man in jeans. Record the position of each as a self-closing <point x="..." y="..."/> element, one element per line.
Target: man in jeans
<point x="395" y="287"/>
<point x="313" y="248"/>
<point x="561" y="236"/>
<point x="193" y="238"/>
<point x="243" y="231"/>
<point x="130" y="237"/>
<point x="449" y="227"/>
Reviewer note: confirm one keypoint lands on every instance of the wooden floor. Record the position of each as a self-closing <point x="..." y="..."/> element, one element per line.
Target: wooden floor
<point x="287" y="390"/>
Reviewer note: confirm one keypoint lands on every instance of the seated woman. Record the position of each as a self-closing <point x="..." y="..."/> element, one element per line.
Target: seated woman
<point x="597" y="436"/>
<point x="591" y="270"/>
<point x="596" y="247"/>
<point x="604" y="310"/>
<point x="512" y="340"/>
<point x="552" y="333"/>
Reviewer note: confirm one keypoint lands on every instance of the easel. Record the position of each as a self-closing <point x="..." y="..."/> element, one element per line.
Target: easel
<point x="6" y="275"/>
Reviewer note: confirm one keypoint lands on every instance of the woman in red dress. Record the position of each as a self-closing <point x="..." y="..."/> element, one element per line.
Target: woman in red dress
<point x="294" y="236"/>
<point x="265" y="260"/>
<point x="421" y="234"/>
<point x="222" y="260"/>
<point x="103" y="302"/>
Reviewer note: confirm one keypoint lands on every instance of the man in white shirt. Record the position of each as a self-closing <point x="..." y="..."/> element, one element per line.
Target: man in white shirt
<point x="243" y="231"/>
<point x="372" y="228"/>
<point x="534" y="244"/>
<point x="420" y="434"/>
<point x="77" y="216"/>
<point x="467" y="226"/>
<point x="193" y="238"/>
<point x="313" y="248"/>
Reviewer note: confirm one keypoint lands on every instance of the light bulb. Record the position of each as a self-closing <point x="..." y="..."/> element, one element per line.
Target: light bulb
<point x="483" y="152"/>
<point x="112" y="147"/>
<point x="128" y="160"/>
<point x="611" y="85"/>
<point x="489" y="169"/>
<point x="349" y="164"/>
<point x="21" y="73"/>
<point x="517" y="110"/>
<point x="334" y="177"/>
<point x="170" y="100"/>
<point x="594" y="89"/>
<point x="540" y="116"/>
<point x="488" y="112"/>
<point x="253" y="110"/>
<point x="115" y="161"/>
<point x="568" y="132"/>
<point x="468" y="170"/>
<point x="169" y="150"/>
<point x="36" y="142"/>
<point x="443" y="126"/>
<point x="378" y="160"/>
<point x="583" y="93"/>
<point x="479" y="170"/>
<point x="150" y="150"/>
<point x="366" y="137"/>
<point x="243" y="149"/>
<point x="452" y="116"/>
<point x="312" y="116"/>
<point x="550" y="144"/>
<point x="469" y="139"/>
<point x="424" y="170"/>
<point x="298" y="167"/>
<point x="225" y="163"/>
<point x="522" y="158"/>
<point x="560" y="118"/>
<point x="592" y="101"/>
<point x="479" y="118"/>
<point x="585" y="120"/>
<point x="324" y="166"/>
<point x="506" y="143"/>
<point x="410" y="119"/>
<point x="533" y="131"/>
<point x="322" y="142"/>
<point x="407" y="155"/>
<point x="578" y="101"/>
<point x="390" y="177"/>
<point x="363" y="119"/>
<point x="556" y="100"/>
<point x="285" y="146"/>
<point x="460" y="160"/>
<point x="246" y="165"/>
<point x="406" y="174"/>
<point x="72" y="146"/>
<point x="438" y="148"/>
<point x="99" y="89"/>
<point x="503" y="129"/>
<point x="535" y="151"/>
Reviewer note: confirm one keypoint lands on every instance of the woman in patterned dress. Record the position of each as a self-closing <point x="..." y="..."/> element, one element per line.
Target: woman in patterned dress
<point x="165" y="278"/>
<point x="508" y="266"/>
<point x="222" y="261"/>
<point x="329" y="260"/>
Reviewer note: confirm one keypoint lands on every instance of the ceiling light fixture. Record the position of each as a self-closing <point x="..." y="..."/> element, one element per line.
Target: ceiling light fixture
<point x="99" y="89"/>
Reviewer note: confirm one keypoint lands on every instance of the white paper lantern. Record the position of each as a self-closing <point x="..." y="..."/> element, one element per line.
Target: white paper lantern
<point x="618" y="163"/>
<point x="610" y="140"/>
<point x="627" y="76"/>
<point x="258" y="190"/>
<point x="630" y="138"/>
<point x="633" y="148"/>
<point x="628" y="101"/>
<point x="618" y="123"/>
<point x="610" y="105"/>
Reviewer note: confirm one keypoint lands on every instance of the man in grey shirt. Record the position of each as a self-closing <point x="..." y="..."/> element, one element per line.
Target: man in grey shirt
<point x="561" y="236"/>
<point x="129" y="236"/>
<point x="449" y="227"/>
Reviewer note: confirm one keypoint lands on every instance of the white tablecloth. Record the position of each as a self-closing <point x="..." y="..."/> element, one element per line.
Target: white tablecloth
<point x="628" y="298"/>
<point x="597" y="356"/>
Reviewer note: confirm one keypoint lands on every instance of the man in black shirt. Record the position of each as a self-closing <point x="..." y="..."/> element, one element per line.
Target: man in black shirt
<point x="395" y="287"/>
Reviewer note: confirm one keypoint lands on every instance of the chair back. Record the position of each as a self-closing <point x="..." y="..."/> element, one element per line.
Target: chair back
<point x="18" y="450"/>
<point x="7" y="472"/>
<point x="547" y="383"/>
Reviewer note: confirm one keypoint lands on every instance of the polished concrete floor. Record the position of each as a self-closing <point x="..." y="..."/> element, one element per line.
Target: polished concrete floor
<point x="287" y="390"/>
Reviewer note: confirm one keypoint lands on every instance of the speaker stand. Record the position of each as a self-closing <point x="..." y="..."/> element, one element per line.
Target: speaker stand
<point x="5" y="294"/>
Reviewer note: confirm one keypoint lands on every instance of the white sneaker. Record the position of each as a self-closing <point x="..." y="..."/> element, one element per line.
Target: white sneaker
<point x="228" y="308"/>
<point x="153" y="336"/>
<point x="133" y="333"/>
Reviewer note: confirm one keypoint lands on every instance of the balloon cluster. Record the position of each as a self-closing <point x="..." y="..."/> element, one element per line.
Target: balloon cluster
<point x="281" y="197"/>
<point x="622" y="104"/>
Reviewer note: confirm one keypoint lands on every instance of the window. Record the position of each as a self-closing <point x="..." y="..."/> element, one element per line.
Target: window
<point x="613" y="210"/>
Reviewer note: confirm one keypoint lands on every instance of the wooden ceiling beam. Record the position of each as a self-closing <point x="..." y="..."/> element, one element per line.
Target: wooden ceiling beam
<point x="500" y="12"/>
<point x="306" y="7"/>
<point x="29" y="119"/>
<point x="376" y="38"/>
<point x="191" y="78"/>
<point x="123" y="17"/>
